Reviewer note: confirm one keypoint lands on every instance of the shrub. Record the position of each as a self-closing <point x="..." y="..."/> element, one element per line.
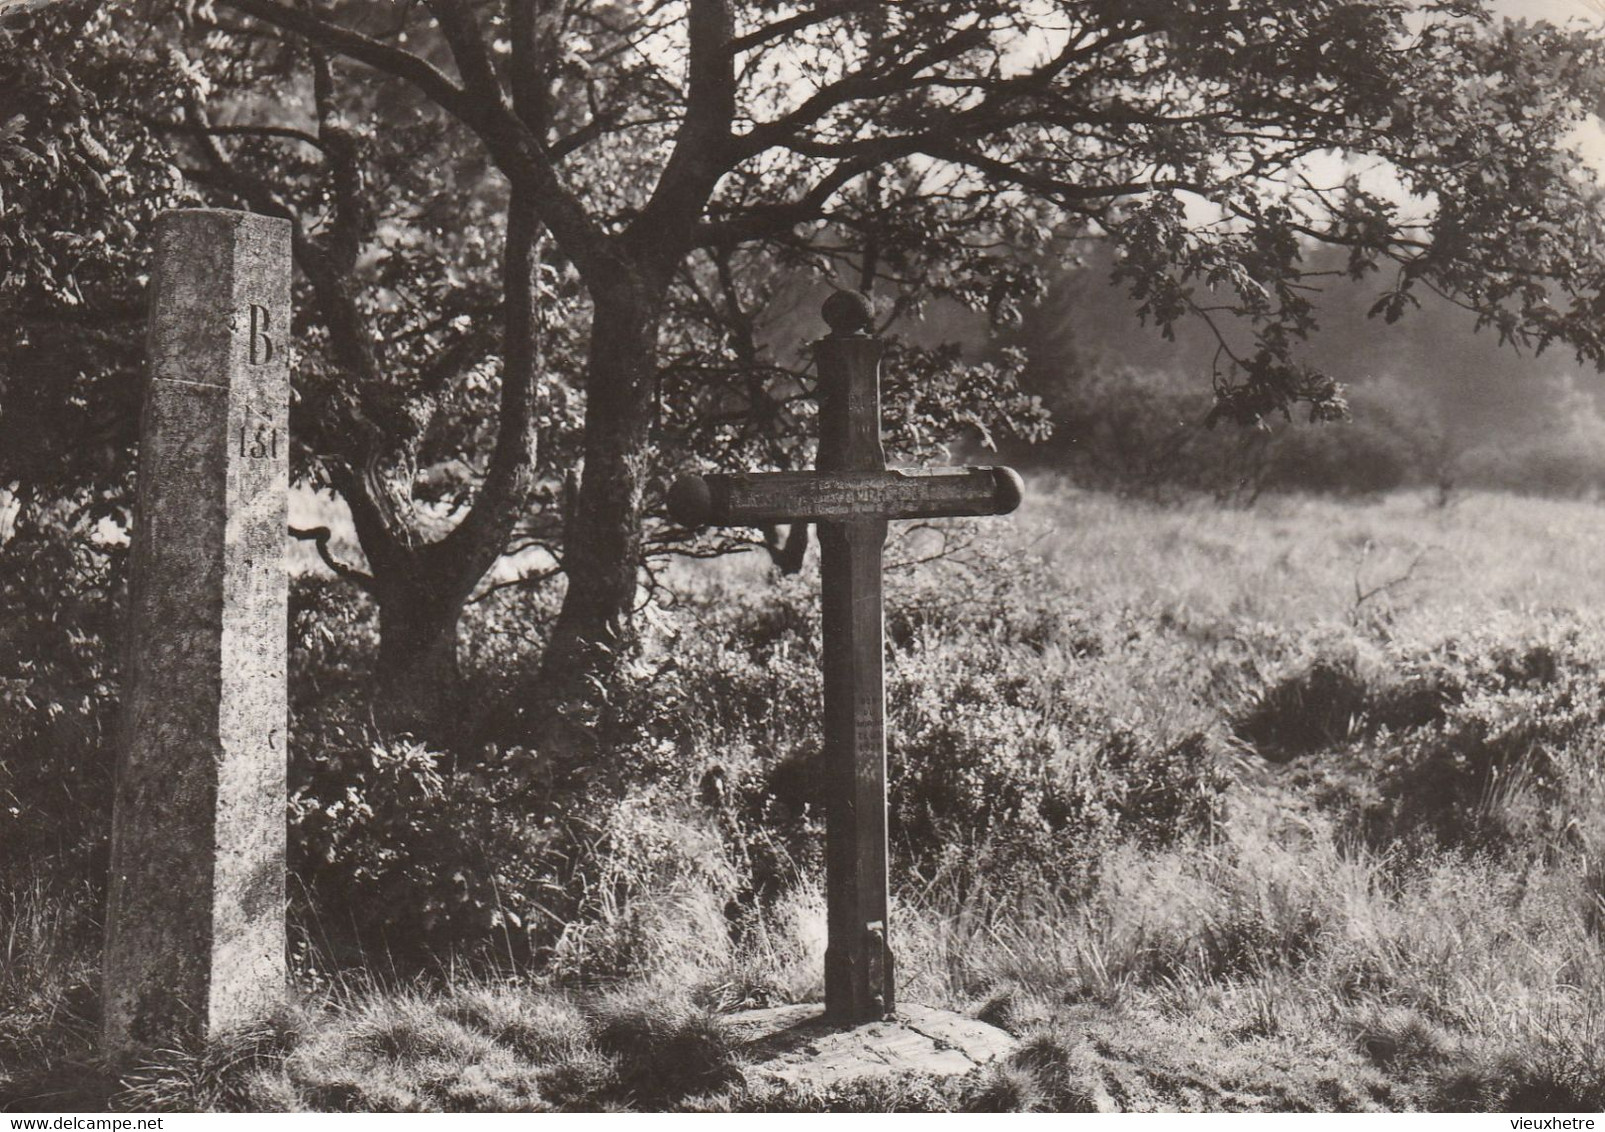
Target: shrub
<point x="59" y="671"/>
<point x="1308" y="710"/>
<point x="401" y="855"/>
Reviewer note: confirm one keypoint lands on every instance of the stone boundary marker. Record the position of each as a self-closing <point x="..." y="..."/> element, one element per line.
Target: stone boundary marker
<point x="195" y="921"/>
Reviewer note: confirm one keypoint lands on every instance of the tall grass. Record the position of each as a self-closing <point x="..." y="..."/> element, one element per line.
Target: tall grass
<point x="49" y="962"/>
<point x="1299" y="807"/>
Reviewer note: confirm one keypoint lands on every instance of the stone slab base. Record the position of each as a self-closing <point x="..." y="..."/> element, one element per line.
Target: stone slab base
<point x="795" y="1045"/>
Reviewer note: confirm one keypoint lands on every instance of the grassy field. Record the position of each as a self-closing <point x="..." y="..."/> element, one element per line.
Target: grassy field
<point x="1293" y="808"/>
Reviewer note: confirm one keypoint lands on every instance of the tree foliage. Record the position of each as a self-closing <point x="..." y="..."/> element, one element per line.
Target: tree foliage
<point x="580" y="219"/>
<point x="80" y="183"/>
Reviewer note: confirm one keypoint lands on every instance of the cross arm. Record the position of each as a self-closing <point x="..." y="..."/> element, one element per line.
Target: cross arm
<point x="756" y="498"/>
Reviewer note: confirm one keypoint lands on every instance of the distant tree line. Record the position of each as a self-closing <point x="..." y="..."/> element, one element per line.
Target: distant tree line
<point x="1434" y="404"/>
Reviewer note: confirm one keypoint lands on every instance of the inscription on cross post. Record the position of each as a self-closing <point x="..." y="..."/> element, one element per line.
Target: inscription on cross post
<point x="851" y="496"/>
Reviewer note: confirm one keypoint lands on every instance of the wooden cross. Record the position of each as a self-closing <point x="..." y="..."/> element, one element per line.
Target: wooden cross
<point x="851" y="496"/>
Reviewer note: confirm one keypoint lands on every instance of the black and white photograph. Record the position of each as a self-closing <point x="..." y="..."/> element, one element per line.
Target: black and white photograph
<point x="802" y="556"/>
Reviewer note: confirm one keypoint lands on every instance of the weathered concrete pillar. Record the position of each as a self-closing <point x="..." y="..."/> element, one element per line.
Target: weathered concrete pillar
<point x="195" y="923"/>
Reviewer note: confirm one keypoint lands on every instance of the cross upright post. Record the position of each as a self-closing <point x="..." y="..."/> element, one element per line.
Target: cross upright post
<point x="851" y="496"/>
<point x="859" y="969"/>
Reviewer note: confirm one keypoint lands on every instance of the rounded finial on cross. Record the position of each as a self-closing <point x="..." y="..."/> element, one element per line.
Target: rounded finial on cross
<point x="848" y="313"/>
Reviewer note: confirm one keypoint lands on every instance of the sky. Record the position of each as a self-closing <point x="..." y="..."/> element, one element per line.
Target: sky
<point x="1556" y="10"/>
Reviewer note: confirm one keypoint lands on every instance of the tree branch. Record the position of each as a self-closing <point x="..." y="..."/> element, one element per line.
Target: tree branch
<point x="702" y="149"/>
<point x="468" y="50"/>
<point x="321" y="536"/>
<point x="532" y="578"/>
<point x="518" y="153"/>
<point x="797" y="22"/>
<point x="479" y="539"/>
<point x="381" y="56"/>
<point x="288" y="133"/>
<point x="859" y="85"/>
<point x="534" y="31"/>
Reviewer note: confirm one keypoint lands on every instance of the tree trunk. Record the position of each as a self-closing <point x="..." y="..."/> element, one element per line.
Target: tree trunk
<point x="423" y="587"/>
<point x="418" y="685"/>
<point x="602" y="539"/>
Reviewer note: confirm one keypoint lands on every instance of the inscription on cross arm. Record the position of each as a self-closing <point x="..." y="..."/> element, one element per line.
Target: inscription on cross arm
<point x="851" y="496"/>
<point x="811" y="497"/>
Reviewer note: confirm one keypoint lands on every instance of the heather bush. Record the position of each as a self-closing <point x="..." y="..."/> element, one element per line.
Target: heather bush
<point x="408" y="852"/>
<point x="1485" y="741"/>
<point x="1170" y="801"/>
<point x="706" y="808"/>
